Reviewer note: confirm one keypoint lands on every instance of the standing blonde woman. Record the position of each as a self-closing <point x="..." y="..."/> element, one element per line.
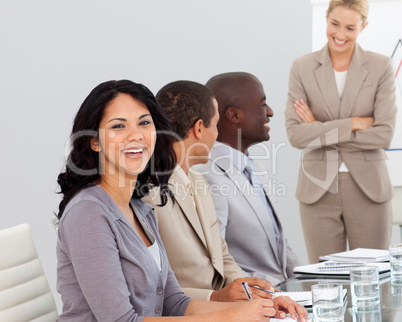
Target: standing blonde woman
<point x="341" y="110"/>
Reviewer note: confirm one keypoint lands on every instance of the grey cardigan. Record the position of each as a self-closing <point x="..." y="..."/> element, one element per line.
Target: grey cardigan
<point x="104" y="270"/>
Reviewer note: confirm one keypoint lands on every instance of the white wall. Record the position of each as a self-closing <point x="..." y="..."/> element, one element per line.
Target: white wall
<point x="54" y="52"/>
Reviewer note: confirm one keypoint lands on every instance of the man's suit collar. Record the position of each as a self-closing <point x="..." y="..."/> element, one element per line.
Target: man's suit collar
<point x="228" y="158"/>
<point x="183" y="195"/>
<point x="221" y="155"/>
<point x="203" y="207"/>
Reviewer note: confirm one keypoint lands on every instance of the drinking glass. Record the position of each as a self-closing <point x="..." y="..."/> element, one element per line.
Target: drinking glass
<point x="367" y="313"/>
<point x="396" y="291"/>
<point x="395" y="258"/>
<point x="364" y="285"/>
<point x="327" y="302"/>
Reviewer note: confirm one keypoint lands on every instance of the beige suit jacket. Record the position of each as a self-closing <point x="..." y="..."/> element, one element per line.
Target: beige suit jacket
<point x="369" y="91"/>
<point x="189" y="230"/>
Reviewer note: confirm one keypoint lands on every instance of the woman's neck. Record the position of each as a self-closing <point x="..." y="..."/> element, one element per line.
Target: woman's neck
<point x="119" y="189"/>
<point x="341" y="61"/>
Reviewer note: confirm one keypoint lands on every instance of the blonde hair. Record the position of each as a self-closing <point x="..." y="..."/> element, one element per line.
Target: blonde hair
<point x="361" y="6"/>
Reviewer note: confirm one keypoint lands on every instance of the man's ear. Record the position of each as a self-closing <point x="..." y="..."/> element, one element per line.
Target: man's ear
<point x="95" y="146"/>
<point x="233" y="114"/>
<point x="198" y="128"/>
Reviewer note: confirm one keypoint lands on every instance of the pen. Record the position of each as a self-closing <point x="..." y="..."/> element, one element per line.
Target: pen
<point x="247" y="290"/>
<point x="263" y="289"/>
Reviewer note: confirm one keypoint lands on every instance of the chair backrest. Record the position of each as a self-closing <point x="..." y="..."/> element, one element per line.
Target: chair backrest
<point x="25" y="294"/>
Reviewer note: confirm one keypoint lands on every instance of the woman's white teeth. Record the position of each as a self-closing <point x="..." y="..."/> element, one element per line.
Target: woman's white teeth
<point x="133" y="151"/>
<point x="339" y="42"/>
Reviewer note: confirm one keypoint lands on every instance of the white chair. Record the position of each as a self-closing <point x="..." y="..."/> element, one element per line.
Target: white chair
<point x="25" y="294"/>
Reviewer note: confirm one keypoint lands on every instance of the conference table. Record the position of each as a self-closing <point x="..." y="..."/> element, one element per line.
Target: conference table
<point x="389" y="309"/>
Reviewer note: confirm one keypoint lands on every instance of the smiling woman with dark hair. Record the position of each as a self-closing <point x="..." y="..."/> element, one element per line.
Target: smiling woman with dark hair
<point x="83" y="162"/>
<point x="112" y="265"/>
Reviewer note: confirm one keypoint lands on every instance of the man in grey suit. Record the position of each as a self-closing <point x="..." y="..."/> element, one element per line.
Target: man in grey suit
<point x="248" y="219"/>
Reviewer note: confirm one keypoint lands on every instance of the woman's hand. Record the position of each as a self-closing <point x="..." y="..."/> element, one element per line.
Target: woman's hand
<point x="362" y="123"/>
<point x="234" y="291"/>
<point x="284" y="304"/>
<point x="304" y="112"/>
<point x="257" y="310"/>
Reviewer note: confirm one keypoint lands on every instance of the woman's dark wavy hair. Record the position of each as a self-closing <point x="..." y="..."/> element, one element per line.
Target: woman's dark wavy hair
<point x="82" y="168"/>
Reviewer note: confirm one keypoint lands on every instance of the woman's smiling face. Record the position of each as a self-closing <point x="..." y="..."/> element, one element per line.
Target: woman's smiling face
<point x="126" y="137"/>
<point x="343" y="27"/>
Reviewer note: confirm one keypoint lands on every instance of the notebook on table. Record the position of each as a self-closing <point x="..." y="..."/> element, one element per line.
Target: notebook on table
<point x="332" y="268"/>
<point x="363" y="255"/>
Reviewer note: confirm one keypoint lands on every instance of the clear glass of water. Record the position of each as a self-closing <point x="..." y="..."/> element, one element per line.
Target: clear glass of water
<point x="395" y="258"/>
<point x="396" y="291"/>
<point x="367" y="313"/>
<point x="327" y="302"/>
<point x="364" y="285"/>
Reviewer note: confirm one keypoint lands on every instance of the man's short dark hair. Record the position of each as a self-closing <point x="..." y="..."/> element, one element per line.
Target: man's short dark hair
<point x="186" y="102"/>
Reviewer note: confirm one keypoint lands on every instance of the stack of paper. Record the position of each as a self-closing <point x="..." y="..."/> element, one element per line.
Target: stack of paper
<point x="362" y="255"/>
<point x="322" y="279"/>
<point x="340" y="269"/>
